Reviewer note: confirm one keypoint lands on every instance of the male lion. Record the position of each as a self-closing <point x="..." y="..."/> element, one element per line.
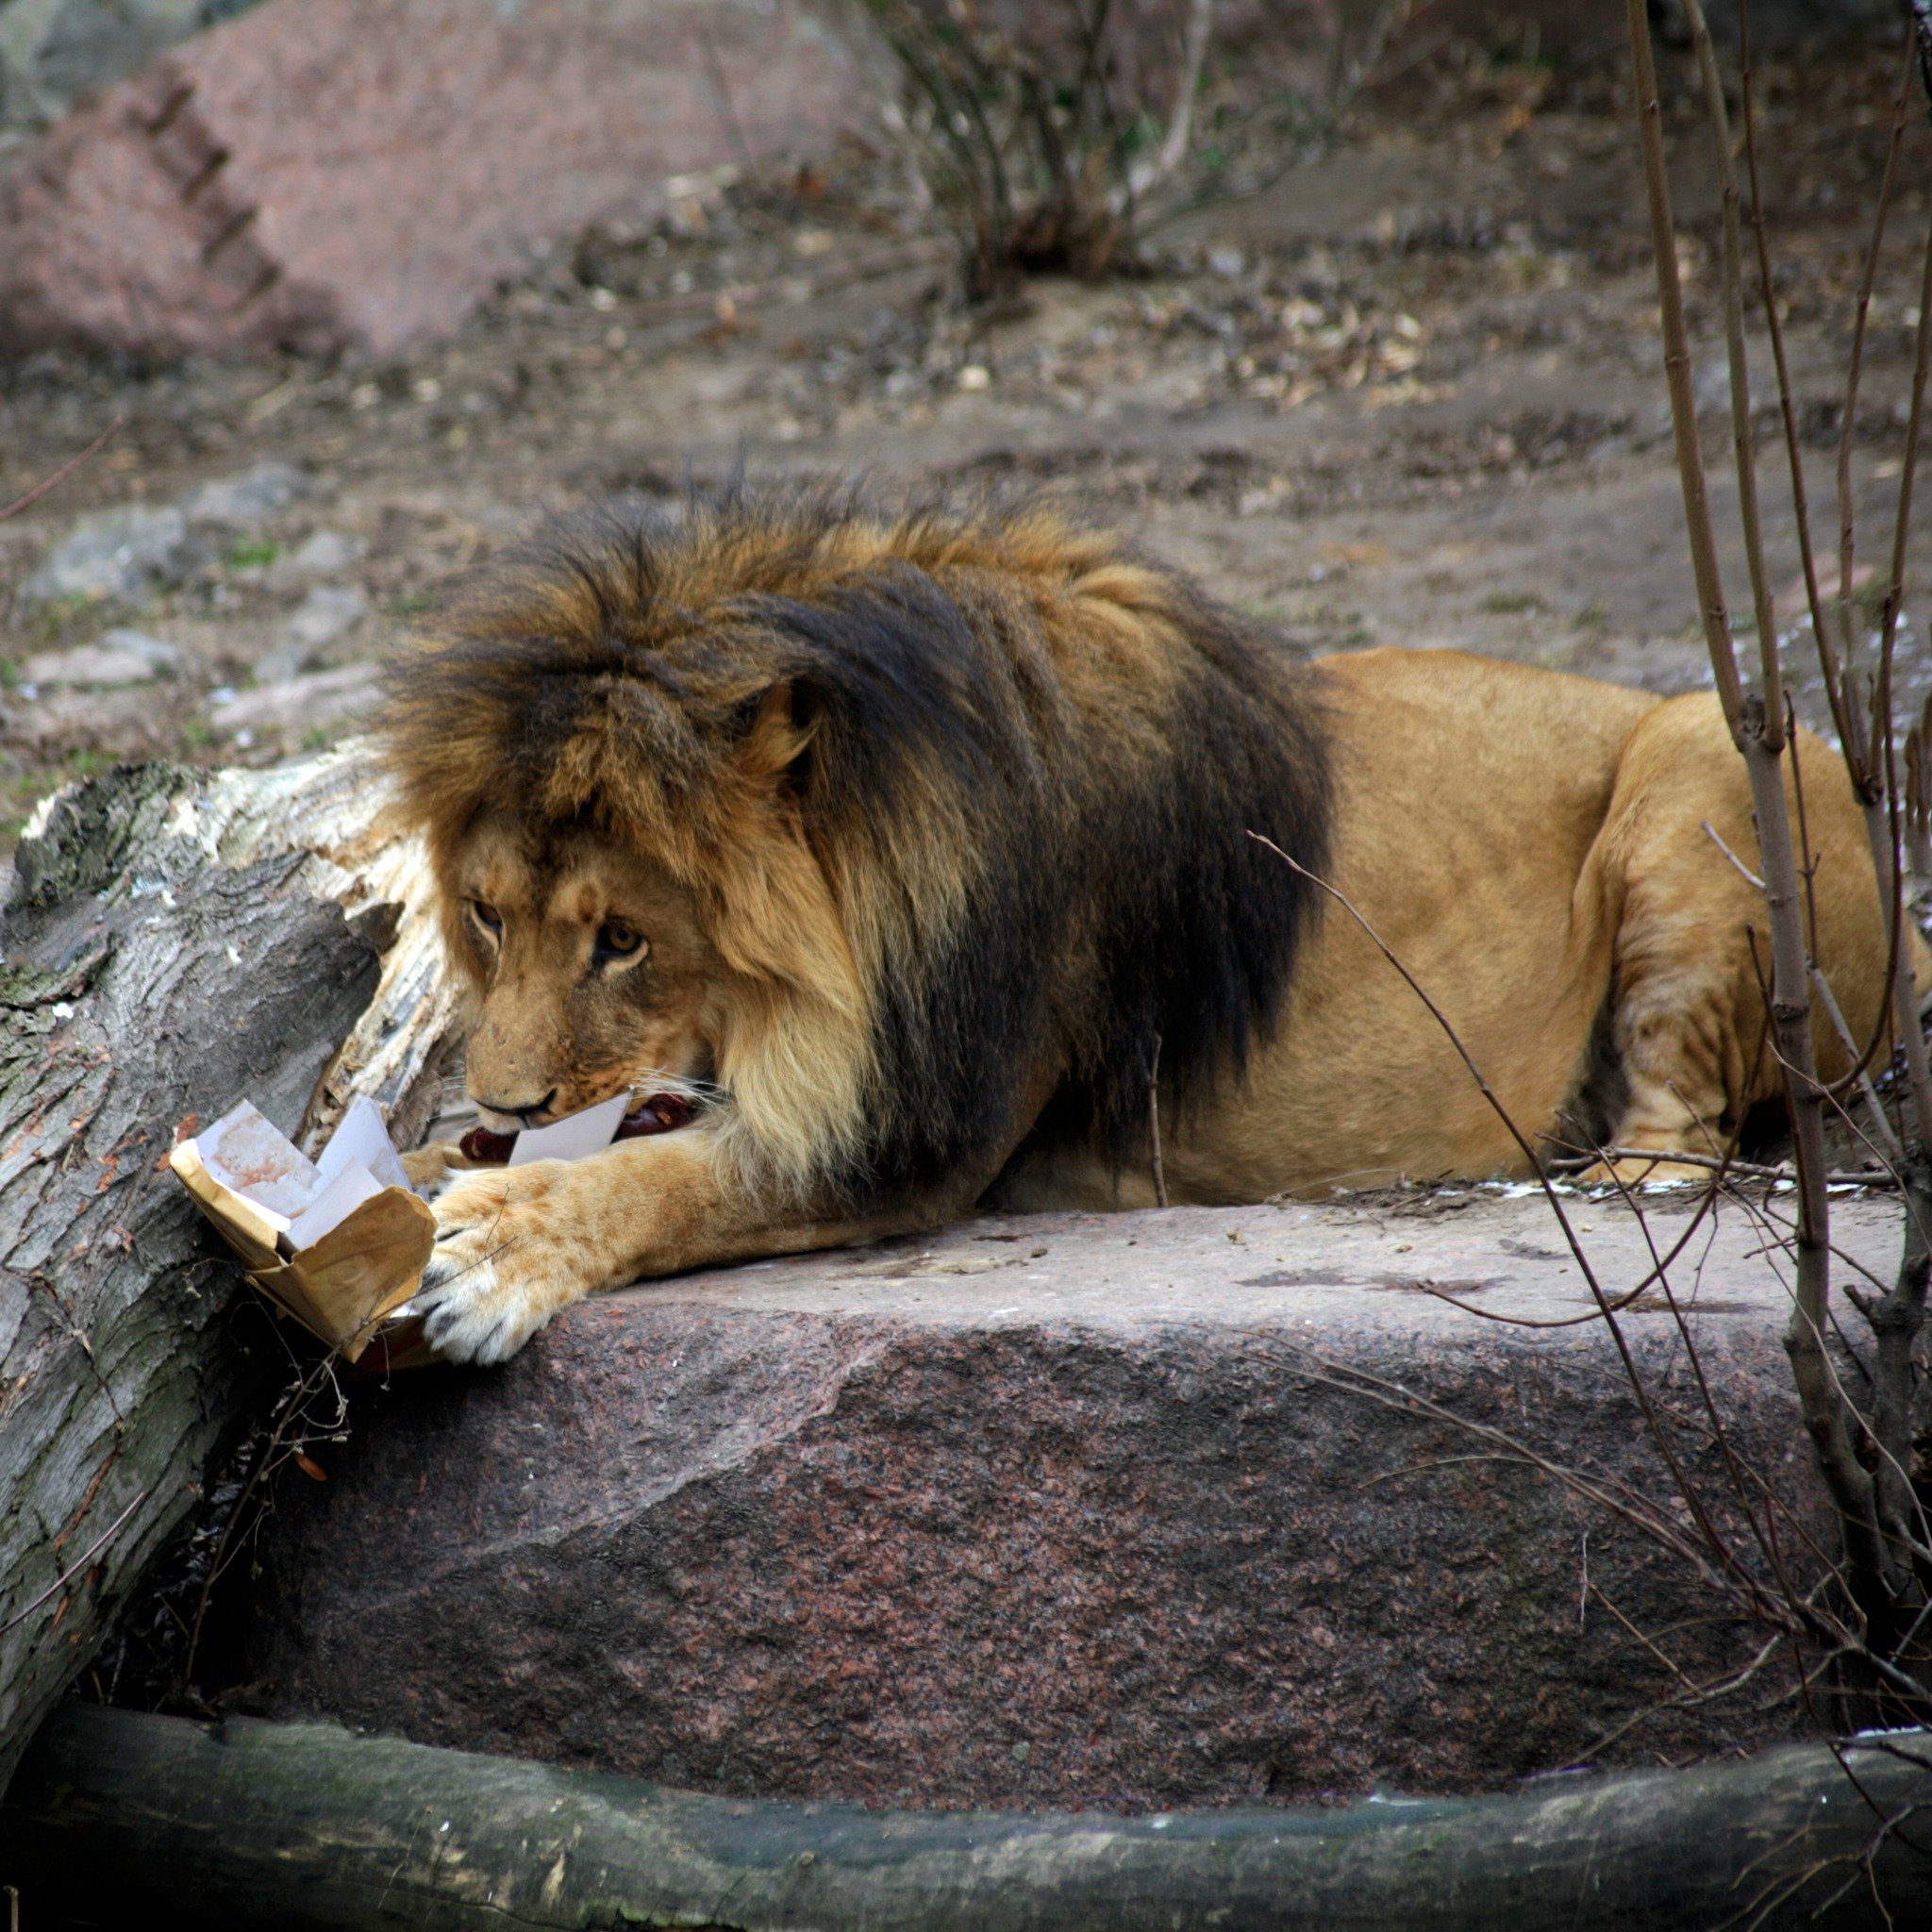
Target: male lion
<point x="908" y="846"/>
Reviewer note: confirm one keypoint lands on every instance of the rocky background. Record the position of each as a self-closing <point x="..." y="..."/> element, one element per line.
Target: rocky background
<point x="347" y="291"/>
<point x="1386" y="370"/>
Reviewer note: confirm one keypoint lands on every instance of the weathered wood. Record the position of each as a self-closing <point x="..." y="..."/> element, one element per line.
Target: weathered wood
<point x="174" y="942"/>
<point x="307" y="1825"/>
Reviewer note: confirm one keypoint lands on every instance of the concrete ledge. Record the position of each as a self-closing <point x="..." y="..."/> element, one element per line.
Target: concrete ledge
<point x="1064" y="1510"/>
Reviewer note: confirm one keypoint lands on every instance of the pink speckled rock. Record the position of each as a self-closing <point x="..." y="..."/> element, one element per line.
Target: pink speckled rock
<point x="1058" y="1512"/>
<point x="329" y="173"/>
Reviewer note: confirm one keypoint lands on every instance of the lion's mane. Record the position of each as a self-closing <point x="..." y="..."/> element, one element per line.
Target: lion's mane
<point x="963" y="795"/>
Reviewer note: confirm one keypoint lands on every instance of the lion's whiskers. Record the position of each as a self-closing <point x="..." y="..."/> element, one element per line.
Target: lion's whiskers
<point x="701" y="1094"/>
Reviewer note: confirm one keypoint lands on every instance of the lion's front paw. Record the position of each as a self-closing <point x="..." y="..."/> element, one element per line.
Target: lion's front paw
<point x="504" y="1263"/>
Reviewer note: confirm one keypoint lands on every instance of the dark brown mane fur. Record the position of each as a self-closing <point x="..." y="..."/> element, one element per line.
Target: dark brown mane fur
<point x="1016" y="763"/>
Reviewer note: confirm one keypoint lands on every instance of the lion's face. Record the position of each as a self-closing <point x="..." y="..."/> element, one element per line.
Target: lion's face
<point x="595" y="972"/>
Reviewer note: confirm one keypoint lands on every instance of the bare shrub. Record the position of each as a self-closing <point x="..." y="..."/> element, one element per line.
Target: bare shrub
<point x="1050" y="135"/>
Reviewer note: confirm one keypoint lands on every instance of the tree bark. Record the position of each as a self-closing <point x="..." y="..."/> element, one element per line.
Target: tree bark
<point x="174" y="942"/>
<point x="116" y="1816"/>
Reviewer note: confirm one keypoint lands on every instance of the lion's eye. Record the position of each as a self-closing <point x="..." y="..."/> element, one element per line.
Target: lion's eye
<point x="617" y="938"/>
<point x="486" y="916"/>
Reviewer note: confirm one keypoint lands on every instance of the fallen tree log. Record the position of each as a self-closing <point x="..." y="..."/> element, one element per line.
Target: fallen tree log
<point x="172" y="943"/>
<point x="307" y="1825"/>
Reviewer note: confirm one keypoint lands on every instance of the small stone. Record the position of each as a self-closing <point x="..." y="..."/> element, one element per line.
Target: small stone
<point x="324" y="553"/>
<point x="94" y="665"/>
<point x="1229" y="263"/>
<point x="974" y="376"/>
<point x="281" y="662"/>
<point x="251" y="497"/>
<point x="164" y="656"/>
<point x="302" y="703"/>
<point x="127" y="554"/>
<point x="329" y="611"/>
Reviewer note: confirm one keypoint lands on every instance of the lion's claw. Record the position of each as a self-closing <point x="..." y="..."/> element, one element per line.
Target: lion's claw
<point x="498" y="1272"/>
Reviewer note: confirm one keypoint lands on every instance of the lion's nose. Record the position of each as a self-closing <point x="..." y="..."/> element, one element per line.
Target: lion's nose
<point x="524" y="1110"/>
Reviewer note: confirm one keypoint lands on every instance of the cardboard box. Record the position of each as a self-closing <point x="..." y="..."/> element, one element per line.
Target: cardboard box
<point x="338" y="1244"/>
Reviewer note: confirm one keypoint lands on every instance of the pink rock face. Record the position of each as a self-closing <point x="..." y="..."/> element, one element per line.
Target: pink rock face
<point x="327" y="173"/>
<point x="1063" y="1511"/>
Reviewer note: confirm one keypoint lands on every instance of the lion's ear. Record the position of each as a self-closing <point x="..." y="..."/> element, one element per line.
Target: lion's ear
<point x="780" y="732"/>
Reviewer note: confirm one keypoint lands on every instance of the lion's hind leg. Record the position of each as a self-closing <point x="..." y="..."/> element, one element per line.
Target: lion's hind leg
<point x="1688" y="1019"/>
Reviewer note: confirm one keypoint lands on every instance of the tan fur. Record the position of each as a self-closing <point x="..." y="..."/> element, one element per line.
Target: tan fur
<point x="1529" y="845"/>
<point x="1532" y="846"/>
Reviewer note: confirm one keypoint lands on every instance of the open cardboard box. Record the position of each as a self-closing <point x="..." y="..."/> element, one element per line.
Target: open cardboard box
<point x="338" y="1244"/>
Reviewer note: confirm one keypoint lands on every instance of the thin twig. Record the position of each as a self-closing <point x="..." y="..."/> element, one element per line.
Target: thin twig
<point x="293" y="1408"/>
<point x="1771" y="688"/>
<point x="1882" y="817"/>
<point x="1807" y="870"/>
<point x="1834" y="683"/>
<point x="1173" y="148"/>
<point x="1629" y="1297"/>
<point x="1861" y="314"/>
<point x="1154" y="1125"/>
<point x="1749" y="876"/>
<point x="77" y="1567"/>
<point x="1873" y="1105"/>
<point x="1710" y="596"/>
<point x="1734" y="1465"/>
<point x="62" y="475"/>
<point x="727" y="107"/>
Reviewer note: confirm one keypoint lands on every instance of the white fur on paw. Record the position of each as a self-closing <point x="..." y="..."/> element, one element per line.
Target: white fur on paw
<point x="469" y="1314"/>
<point x="469" y="1317"/>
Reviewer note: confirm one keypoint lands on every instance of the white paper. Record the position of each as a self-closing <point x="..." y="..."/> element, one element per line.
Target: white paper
<point x="574" y="1136"/>
<point x="362" y="1135"/>
<point x="248" y="1155"/>
<point x="352" y="1185"/>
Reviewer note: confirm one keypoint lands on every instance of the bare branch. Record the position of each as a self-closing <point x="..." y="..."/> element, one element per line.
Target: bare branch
<point x="1663" y="234"/>
<point x="1154" y="1125"/>
<point x="1821" y="630"/>
<point x="1771" y="687"/>
<point x="1758" y="733"/>
<point x="1861" y="314"/>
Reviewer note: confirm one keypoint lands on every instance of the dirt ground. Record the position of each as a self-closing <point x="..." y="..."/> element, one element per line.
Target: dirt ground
<point x="1410" y="394"/>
